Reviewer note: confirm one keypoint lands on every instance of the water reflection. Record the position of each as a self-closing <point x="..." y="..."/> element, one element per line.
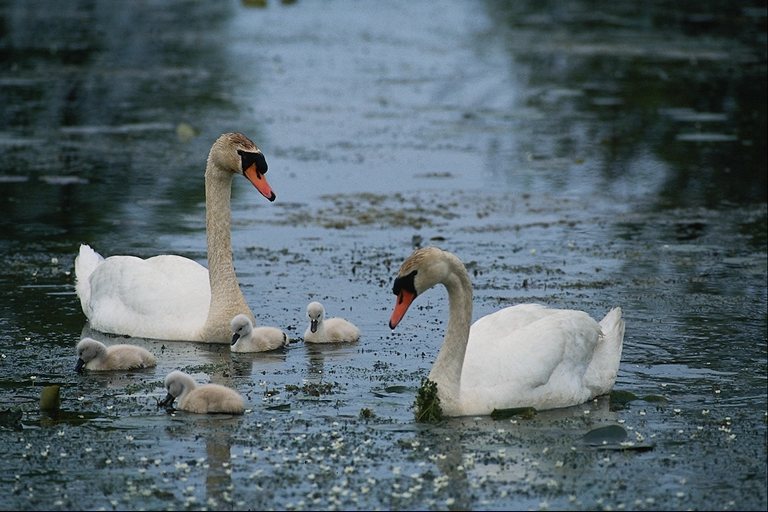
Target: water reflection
<point x="630" y="95"/>
<point x="85" y="97"/>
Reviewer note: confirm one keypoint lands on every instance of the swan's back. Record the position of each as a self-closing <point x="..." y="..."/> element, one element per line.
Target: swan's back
<point x="261" y="339"/>
<point x="339" y="329"/>
<point x="164" y="297"/>
<point x="211" y="399"/>
<point x="333" y="330"/>
<point x="529" y="355"/>
<point x="125" y="357"/>
<point x="94" y="355"/>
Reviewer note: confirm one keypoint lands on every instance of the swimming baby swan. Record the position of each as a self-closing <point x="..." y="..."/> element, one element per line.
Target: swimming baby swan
<point x="203" y="399"/>
<point x="94" y="355"/>
<point x="328" y="330"/>
<point x="247" y="338"/>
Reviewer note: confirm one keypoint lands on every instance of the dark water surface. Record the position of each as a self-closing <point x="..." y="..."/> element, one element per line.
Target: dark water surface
<point x="579" y="154"/>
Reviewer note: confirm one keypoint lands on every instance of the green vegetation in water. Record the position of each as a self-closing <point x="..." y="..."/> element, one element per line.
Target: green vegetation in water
<point x="11" y="418"/>
<point x="312" y="388"/>
<point x="523" y="412"/>
<point x="427" y="405"/>
<point x="221" y="368"/>
<point x="132" y="388"/>
<point x="366" y="413"/>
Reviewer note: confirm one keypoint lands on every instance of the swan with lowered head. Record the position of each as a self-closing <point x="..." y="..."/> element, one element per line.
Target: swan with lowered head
<point x="328" y="330"/>
<point x="170" y="297"/>
<point x="526" y="355"/>
<point x="247" y="338"/>
<point x="94" y="355"/>
<point x="203" y="399"/>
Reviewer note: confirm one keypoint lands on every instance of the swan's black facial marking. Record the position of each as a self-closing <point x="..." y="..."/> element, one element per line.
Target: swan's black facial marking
<point x="249" y="158"/>
<point x="405" y="283"/>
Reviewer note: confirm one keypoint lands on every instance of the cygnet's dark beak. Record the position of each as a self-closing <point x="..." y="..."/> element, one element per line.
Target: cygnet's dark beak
<point x="313" y="325"/>
<point x="167" y="401"/>
<point x="80" y="365"/>
<point x="235" y="337"/>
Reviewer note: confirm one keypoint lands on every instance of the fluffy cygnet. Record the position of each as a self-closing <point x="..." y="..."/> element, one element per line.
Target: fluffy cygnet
<point x="94" y="355"/>
<point x="330" y="330"/>
<point x="247" y="338"/>
<point x="203" y="399"/>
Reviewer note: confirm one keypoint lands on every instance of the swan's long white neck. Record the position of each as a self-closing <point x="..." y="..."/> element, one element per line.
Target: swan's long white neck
<point x="227" y="299"/>
<point x="446" y="371"/>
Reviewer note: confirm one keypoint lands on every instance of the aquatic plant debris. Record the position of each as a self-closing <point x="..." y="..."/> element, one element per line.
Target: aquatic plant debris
<point x="523" y="412"/>
<point x="427" y="406"/>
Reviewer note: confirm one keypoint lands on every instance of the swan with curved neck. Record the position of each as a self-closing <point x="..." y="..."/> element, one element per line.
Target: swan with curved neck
<point x="171" y="297"/>
<point x="526" y="355"/>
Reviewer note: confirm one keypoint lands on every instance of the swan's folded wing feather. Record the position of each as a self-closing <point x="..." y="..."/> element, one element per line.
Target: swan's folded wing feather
<point x="139" y="297"/>
<point x="509" y="319"/>
<point x="541" y="361"/>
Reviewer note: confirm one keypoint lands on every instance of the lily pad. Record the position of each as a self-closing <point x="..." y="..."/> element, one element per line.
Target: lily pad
<point x="613" y="434"/>
<point x="613" y="437"/>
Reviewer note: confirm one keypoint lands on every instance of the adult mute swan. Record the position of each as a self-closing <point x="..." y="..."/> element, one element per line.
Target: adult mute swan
<point x="328" y="330"/>
<point x="94" y="355"/>
<point x="247" y="338"/>
<point x="526" y="355"/>
<point x="171" y="297"/>
<point x="204" y="399"/>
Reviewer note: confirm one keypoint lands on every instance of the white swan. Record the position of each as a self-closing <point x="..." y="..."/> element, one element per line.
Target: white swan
<point x="328" y="330"/>
<point x="203" y="399"/>
<point x="247" y="338"/>
<point x="521" y="356"/>
<point x="94" y="355"/>
<point x="171" y="297"/>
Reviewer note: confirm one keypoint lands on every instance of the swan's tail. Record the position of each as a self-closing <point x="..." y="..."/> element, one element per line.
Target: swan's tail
<point x="601" y="373"/>
<point x="85" y="263"/>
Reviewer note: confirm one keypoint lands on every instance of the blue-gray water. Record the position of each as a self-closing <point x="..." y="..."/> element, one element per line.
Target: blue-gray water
<point x="578" y="154"/>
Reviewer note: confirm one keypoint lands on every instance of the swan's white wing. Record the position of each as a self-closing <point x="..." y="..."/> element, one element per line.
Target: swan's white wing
<point x="507" y="320"/>
<point x="165" y="297"/>
<point x="528" y="356"/>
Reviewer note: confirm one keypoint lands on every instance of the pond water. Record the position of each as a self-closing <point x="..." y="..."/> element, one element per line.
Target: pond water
<point x="575" y="154"/>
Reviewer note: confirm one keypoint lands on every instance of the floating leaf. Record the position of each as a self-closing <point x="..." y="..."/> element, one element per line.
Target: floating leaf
<point x="620" y="399"/>
<point x="612" y="434"/>
<point x="613" y="437"/>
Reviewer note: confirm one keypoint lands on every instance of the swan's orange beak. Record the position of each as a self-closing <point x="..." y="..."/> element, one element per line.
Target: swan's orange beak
<point x="404" y="300"/>
<point x="260" y="182"/>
